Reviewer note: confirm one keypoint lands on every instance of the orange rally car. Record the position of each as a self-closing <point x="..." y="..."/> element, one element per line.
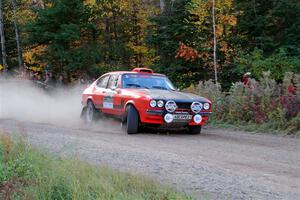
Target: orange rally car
<point x="143" y="98"/>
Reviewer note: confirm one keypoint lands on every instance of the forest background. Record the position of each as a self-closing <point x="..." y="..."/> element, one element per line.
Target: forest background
<point x="200" y="44"/>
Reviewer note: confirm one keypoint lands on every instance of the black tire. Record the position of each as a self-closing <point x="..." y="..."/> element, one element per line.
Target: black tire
<point x="132" y="125"/>
<point x="194" y="130"/>
<point x="91" y="113"/>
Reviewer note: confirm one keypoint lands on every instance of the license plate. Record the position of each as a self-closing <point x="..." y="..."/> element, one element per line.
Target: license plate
<point x="182" y="117"/>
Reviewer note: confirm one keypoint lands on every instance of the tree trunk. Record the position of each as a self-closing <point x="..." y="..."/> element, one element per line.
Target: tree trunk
<point x="162" y="5"/>
<point x="215" y="41"/>
<point x="3" y="48"/>
<point x="107" y="40"/>
<point x="38" y="4"/>
<point x="20" y="61"/>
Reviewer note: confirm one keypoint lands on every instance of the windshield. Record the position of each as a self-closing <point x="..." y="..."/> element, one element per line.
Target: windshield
<point x="146" y="81"/>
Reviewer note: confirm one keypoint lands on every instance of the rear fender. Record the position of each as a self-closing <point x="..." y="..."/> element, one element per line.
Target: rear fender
<point x="85" y="100"/>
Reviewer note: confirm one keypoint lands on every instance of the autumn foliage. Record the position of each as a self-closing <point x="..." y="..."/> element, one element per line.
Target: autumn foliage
<point x="186" y="52"/>
<point x="92" y="37"/>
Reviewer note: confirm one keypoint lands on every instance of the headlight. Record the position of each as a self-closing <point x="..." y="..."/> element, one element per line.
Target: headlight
<point x="196" y="107"/>
<point x="171" y="106"/>
<point x="152" y="103"/>
<point x="206" y="106"/>
<point x="160" y="103"/>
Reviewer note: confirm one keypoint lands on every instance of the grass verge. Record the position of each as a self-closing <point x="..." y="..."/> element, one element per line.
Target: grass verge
<point x="27" y="173"/>
<point x="264" y="128"/>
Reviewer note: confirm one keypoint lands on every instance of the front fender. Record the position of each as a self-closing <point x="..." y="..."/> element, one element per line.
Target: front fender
<point x="130" y="102"/>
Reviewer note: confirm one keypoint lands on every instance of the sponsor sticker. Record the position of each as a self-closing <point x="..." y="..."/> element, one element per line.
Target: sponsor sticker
<point x="108" y="102"/>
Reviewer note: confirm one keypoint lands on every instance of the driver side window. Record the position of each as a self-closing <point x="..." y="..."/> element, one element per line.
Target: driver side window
<point x="112" y="81"/>
<point x="102" y="82"/>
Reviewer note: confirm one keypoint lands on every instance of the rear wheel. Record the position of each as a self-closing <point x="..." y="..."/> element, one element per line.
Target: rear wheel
<point x="90" y="112"/>
<point x="194" y="130"/>
<point x="132" y="125"/>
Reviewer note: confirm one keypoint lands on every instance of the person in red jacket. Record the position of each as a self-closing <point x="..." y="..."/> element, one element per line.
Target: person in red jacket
<point x="246" y="79"/>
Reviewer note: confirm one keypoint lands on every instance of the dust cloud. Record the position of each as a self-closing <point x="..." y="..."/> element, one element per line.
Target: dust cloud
<point x="23" y="100"/>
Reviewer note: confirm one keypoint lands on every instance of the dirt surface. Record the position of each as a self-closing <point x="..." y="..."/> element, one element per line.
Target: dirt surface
<point x="218" y="164"/>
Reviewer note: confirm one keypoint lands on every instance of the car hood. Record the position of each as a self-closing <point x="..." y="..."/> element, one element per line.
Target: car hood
<point x="171" y="95"/>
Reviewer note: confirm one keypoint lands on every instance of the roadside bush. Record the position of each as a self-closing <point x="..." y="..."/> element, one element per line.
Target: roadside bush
<point x="277" y="63"/>
<point x="265" y="102"/>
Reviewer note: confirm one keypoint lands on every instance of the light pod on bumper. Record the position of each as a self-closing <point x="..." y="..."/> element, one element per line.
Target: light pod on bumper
<point x="197" y="119"/>
<point x="196" y="107"/>
<point x="168" y="118"/>
<point x="170" y="106"/>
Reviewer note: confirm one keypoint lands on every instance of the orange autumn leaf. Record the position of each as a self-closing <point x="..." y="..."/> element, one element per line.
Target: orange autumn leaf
<point x="186" y="52"/>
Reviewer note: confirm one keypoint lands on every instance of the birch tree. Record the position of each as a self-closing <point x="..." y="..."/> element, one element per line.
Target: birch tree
<point x="162" y="5"/>
<point x="3" y="48"/>
<point x="215" y="23"/>
<point x="17" y="34"/>
<point x="215" y="41"/>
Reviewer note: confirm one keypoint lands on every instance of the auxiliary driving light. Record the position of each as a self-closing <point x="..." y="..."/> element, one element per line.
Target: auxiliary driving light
<point x="197" y="119"/>
<point x="196" y="107"/>
<point x="170" y="106"/>
<point x="168" y="118"/>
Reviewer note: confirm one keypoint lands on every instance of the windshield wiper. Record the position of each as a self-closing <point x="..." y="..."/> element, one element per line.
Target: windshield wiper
<point x="159" y="87"/>
<point x="136" y="85"/>
<point x="133" y="84"/>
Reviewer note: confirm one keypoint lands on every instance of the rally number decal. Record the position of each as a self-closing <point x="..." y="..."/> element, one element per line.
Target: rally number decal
<point x="108" y="102"/>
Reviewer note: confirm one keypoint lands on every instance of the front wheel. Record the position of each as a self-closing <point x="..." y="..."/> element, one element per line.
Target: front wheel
<point x="132" y="125"/>
<point x="194" y="130"/>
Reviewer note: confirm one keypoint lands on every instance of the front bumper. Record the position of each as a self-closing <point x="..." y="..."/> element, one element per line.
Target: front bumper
<point x="157" y="117"/>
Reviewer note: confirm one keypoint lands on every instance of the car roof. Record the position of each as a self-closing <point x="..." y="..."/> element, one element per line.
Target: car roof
<point x="134" y="72"/>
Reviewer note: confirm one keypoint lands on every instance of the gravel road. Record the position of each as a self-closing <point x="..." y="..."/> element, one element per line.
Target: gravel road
<point x="218" y="164"/>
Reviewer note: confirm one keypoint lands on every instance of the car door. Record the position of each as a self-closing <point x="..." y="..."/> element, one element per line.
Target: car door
<point x="100" y="90"/>
<point x="118" y="96"/>
<point x="112" y="100"/>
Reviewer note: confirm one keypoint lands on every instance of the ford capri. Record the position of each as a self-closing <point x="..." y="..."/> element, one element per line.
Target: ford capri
<point x="143" y="98"/>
